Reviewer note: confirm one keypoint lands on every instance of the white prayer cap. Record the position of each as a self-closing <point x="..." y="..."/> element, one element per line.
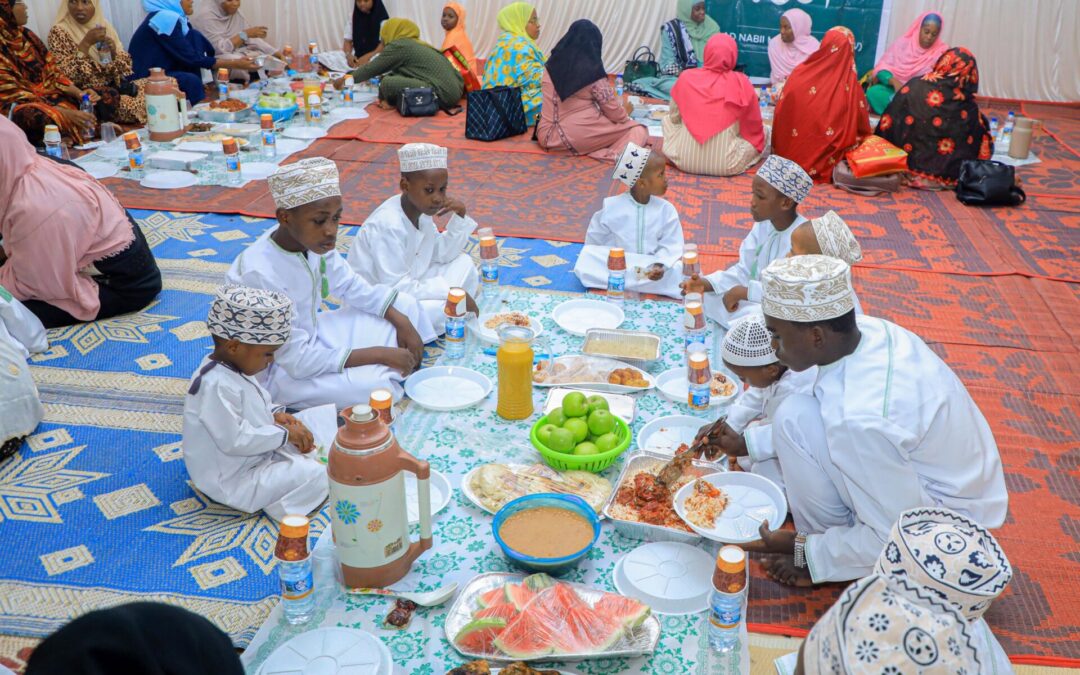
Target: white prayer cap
<point x="421" y="157"/>
<point x="952" y="556"/>
<point x="887" y="625"/>
<point x="631" y="164"/>
<point x="807" y="288"/>
<point x="787" y="177"/>
<point x="835" y="239"/>
<point x="253" y="316"/>
<point x="306" y="181"/>
<point x="748" y="343"/>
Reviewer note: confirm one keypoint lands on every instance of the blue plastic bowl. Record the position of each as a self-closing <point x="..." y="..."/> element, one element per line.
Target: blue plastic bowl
<point x="278" y="114"/>
<point x="548" y="565"/>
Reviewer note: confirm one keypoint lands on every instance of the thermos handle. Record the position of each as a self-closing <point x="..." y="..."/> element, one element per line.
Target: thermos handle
<point x="423" y="491"/>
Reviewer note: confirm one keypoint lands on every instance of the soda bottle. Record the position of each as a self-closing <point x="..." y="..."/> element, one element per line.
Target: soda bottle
<point x="53" y="145"/>
<point x="697" y="380"/>
<point x="294" y="570"/>
<point x="269" y="138"/>
<point x="455" y="323"/>
<point x="727" y="601"/>
<point x="232" y="161"/>
<point x="616" y="279"/>
<point x="136" y="160"/>
<point x="694" y="322"/>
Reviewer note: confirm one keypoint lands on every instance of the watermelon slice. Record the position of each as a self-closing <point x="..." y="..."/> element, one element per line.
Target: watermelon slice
<point x="503" y="610"/>
<point x="530" y="634"/>
<point x="538" y="582"/>
<point x="630" y="612"/>
<point x="493" y="597"/>
<point x="582" y="629"/>
<point x="477" y="637"/>
<point x="518" y="595"/>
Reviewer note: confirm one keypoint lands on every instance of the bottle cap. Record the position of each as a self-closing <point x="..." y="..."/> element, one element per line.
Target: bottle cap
<point x="229" y="146"/>
<point x="313" y="99"/>
<point x="131" y="140"/>
<point x="698" y="360"/>
<point x="349" y="81"/>
<point x="223" y="74"/>
<point x="266" y="120"/>
<point x="616" y="259"/>
<point x="52" y="133"/>
<point x="455" y="303"/>
<point x="732" y="559"/>
<point x="485" y="232"/>
<point x="294" y="526"/>
<point x="690" y="257"/>
<point x="381" y="399"/>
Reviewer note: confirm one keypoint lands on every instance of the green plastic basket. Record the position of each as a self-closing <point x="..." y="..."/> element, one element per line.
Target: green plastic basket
<point x="594" y="463"/>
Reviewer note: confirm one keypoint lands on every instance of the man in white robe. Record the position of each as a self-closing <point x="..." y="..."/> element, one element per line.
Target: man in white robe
<point x="889" y="427"/>
<point x="778" y="188"/>
<point x="642" y="223"/>
<point x="239" y="448"/>
<point x="372" y="342"/>
<point x="400" y="246"/>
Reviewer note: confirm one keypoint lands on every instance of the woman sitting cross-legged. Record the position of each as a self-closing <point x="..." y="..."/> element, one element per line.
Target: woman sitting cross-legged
<point x="516" y="61"/>
<point x="682" y="47"/>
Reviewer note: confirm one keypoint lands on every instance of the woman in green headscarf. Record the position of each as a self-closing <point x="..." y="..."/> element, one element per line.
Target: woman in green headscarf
<point x="682" y="46"/>
<point x="407" y="61"/>
<point x="516" y="61"/>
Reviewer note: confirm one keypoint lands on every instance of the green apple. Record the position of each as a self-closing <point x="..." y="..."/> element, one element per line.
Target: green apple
<point x="607" y="442"/>
<point x="597" y="402"/>
<point x="557" y="417"/>
<point x="543" y="434"/>
<point x="561" y="440"/>
<point x="586" y="448"/>
<point x="578" y="427"/>
<point x="601" y="422"/>
<point x="575" y="404"/>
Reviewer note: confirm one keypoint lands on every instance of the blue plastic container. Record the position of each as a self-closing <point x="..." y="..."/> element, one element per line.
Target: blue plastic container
<point x="549" y="565"/>
<point x="279" y="114"/>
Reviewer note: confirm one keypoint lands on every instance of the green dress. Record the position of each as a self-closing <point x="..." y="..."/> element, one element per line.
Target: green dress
<point x="408" y="63"/>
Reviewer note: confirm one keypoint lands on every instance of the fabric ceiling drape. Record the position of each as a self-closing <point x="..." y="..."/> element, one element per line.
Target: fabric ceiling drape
<point x="1026" y="49"/>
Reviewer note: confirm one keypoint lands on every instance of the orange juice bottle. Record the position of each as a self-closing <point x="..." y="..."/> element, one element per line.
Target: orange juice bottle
<point x="515" y="361"/>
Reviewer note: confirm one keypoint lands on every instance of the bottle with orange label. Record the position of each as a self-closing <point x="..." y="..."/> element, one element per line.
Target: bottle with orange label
<point x="694" y="326"/>
<point x="294" y="569"/>
<point x="455" y="323"/>
<point x="231" y="149"/>
<point x="616" y="280"/>
<point x="136" y="159"/>
<point x="698" y="375"/>
<point x="268" y="136"/>
<point x="382" y="402"/>
<point x="727" y="603"/>
<point x="222" y="84"/>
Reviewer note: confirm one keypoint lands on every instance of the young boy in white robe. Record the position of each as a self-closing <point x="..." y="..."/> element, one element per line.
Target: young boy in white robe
<point x="778" y="188"/>
<point x="400" y="246"/>
<point x="640" y="222"/>
<point x="372" y="342"/>
<point x="240" y="449"/>
<point x="827" y="235"/>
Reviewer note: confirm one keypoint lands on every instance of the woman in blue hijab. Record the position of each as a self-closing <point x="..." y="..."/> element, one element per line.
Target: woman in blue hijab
<point x="166" y="40"/>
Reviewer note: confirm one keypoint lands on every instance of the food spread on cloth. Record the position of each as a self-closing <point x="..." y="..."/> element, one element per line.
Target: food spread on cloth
<point x="494" y="485"/>
<point x="646" y="495"/>
<point x="229" y="105"/>
<point x="587" y="370"/>
<point x="539" y="617"/>
<point x="507" y="318"/>
<point x="546" y="532"/>
<point x="705" y="504"/>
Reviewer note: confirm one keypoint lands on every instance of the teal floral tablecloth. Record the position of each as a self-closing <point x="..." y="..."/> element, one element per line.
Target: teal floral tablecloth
<point x="454" y="443"/>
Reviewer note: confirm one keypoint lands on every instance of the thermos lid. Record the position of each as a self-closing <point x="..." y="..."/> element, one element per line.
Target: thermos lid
<point x="362" y="413"/>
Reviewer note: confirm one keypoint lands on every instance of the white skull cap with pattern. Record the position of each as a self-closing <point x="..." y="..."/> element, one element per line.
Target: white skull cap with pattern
<point x="421" y="157"/>
<point x="748" y="343"/>
<point x="835" y="239"/>
<point x="951" y="555"/>
<point x="807" y="288"/>
<point x="631" y="164"/>
<point x="787" y="177"/>
<point x="253" y="316"/>
<point x="886" y="625"/>
<point x="306" y="181"/>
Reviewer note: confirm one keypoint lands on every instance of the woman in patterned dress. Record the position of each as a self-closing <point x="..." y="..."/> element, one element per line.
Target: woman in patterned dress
<point x="822" y="112"/>
<point x="79" y="30"/>
<point x="516" y="61"/>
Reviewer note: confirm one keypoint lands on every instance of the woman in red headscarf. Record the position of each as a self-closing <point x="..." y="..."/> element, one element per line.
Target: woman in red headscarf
<point x="714" y="127"/>
<point x="822" y="111"/>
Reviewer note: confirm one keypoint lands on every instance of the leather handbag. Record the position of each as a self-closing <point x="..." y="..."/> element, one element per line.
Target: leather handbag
<point x="494" y="114"/>
<point x="984" y="182"/>
<point x="418" y="102"/>
<point x="641" y="64"/>
<point x="844" y="179"/>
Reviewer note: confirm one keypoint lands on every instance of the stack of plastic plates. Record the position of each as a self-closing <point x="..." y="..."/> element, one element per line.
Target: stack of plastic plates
<point x="669" y="577"/>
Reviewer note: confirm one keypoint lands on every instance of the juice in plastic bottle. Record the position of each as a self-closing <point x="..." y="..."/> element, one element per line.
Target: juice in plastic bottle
<point x="515" y="361"/>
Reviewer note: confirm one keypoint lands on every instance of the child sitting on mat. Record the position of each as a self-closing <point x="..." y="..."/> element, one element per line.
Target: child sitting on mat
<point x="239" y="448"/>
<point x="828" y="235"/>
<point x="372" y="342"/>
<point x="640" y="222"/>
<point x="778" y="188"/>
<point x="400" y="246"/>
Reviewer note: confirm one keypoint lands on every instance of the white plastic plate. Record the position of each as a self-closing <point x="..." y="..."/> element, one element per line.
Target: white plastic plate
<point x="445" y="388"/>
<point x="578" y="316"/>
<point x="665" y="434"/>
<point x="491" y="335"/>
<point x="304" y="133"/>
<point x="169" y="180"/>
<point x="115" y="150"/>
<point x="673" y="385"/>
<point x="440" y="495"/>
<point x="100" y="170"/>
<point x="257" y="170"/>
<point x="751" y="500"/>
<point x="342" y="113"/>
<point x="330" y="650"/>
<point x="669" y="577"/>
<point x="287" y="146"/>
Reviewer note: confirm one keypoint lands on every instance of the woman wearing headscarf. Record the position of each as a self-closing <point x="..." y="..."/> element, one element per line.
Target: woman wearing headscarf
<point x="581" y="114"/>
<point x="71" y="253"/>
<point x="167" y="40"/>
<point x="227" y="29"/>
<point x="405" y="62"/>
<point x="792" y="46"/>
<point x="936" y="120"/>
<point x="456" y="45"/>
<point x="912" y="55"/>
<point x="682" y="46"/>
<point x="89" y="52"/>
<point x="362" y="33"/>
<point x="822" y="112"/>
<point x="140" y="637"/>
<point x="34" y="92"/>
<point x="516" y="60"/>
<point x="714" y="127"/>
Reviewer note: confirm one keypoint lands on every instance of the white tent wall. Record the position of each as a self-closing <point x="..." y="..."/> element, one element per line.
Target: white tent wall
<point x="1027" y="49"/>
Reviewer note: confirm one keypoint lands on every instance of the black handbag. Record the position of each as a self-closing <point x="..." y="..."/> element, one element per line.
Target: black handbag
<point x="418" y="102"/>
<point x="984" y="182"/>
<point x="494" y="114"/>
<point x="641" y="64"/>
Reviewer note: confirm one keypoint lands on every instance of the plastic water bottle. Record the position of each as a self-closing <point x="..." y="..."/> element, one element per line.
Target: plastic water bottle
<point x="455" y="323"/>
<point x="374" y="83"/>
<point x="313" y="55"/>
<point x="136" y="160"/>
<point x="347" y="92"/>
<point x="87" y="107"/>
<point x="619" y="86"/>
<point x="694" y="324"/>
<point x="727" y="600"/>
<point x="994" y="128"/>
<point x="232" y="161"/>
<point x="698" y="377"/>
<point x="53" y="146"/>
<point x="295" y="570"/>
<point x="1007" y="130"/>
<point x="616" y="276"/>
<point x="104" y="53"/>
<point x="268" y="137"/>
<point x="314" y="110"/>
<point x="765" y="102"/>
<point x="223" y="83"/>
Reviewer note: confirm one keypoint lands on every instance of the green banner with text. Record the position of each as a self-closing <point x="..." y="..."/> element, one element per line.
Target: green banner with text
<point x="753" y="22"/>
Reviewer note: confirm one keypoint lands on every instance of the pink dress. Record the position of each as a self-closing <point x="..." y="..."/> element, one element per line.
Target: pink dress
<point x="591" y="122"/>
